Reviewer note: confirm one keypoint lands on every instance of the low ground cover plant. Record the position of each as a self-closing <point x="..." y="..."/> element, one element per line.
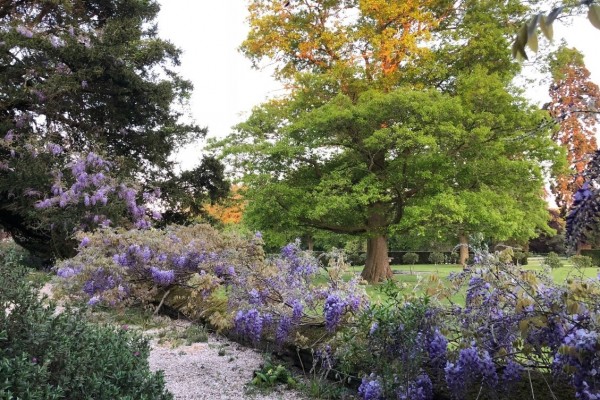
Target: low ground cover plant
<point x="48" y="356"/>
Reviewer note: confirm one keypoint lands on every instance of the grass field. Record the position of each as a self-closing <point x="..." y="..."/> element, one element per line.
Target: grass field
<point x="421" y="273"/>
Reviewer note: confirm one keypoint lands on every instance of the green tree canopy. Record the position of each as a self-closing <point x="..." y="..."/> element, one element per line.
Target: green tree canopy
<point x="390" y="161"/>
<point x="400" y="114"/>
<point x="81" y="77"/>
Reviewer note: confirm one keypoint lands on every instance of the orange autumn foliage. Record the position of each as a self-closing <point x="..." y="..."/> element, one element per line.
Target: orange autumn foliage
<point x="575" y="101"/>
<point x="229" y="210"/>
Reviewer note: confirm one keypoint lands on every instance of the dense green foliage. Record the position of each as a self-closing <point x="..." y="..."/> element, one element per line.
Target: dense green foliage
<point x="386" y="133"/>
<point x="48" y="356"/>
<point x="80" y="78"/>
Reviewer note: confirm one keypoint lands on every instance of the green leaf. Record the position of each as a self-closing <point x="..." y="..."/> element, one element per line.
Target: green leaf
<point x="532" y="40"/>
<point x="546" y="27"/>
<point x="262" y="376"/>
<point x="553" y="14"/>
<point x="594" y="15"/>
<point x="520" y="43"/>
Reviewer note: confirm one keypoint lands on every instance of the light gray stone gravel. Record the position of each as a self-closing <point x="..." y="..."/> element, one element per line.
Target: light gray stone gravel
<point x="219" y="370"/>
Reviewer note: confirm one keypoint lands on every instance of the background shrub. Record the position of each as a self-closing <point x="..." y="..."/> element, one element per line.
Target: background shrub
<point x="520" y="257"/>
<point x="436" y="257"/>
<point x="410" y="258"/>
<point x="47" y="356"/>
<point x="581" y="261"/>
<point x="8" y="246"/>
<point x="553" y="261"/>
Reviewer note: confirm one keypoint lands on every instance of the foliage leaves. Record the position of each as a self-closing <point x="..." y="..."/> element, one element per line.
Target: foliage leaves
<point x="527" y="35"/>
<point x="80" y="77"/>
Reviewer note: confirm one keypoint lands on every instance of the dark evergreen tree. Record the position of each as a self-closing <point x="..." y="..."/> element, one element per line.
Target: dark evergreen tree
<point x="87" y="91"/>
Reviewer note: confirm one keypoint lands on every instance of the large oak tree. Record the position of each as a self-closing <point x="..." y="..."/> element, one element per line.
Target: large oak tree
<point x="396" y="111"/>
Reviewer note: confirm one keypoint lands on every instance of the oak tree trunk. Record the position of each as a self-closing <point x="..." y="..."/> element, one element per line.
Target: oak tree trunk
<point x="377" y="266"/>
<point x="463" y="249"/>
<point x="310" y="243"/>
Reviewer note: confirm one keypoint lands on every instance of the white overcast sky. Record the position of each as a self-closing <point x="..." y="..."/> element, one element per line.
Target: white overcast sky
<point x="225" y="85"/>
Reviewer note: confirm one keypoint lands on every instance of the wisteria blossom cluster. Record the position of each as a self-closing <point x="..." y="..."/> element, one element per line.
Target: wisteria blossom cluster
<point x="89" y="183"/>
<point x="513" y="324"/>
<point x="289" y="292"/>
<point x="512" y="316"/>
<point x="389" y="347"/>
<point x="114" y="268"/>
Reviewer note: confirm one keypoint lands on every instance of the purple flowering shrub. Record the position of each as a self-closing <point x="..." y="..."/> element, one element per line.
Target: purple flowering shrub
<point x="389" y="346"/>
<point x="516" y="320"/>
<point x="290" y="293"/>
<point x="88" y="185"/>
<point x="514" y="326"/>
<point x="183" y="267"/>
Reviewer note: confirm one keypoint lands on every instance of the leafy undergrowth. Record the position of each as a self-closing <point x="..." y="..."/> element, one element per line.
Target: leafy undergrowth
<point x="49" y="355"/>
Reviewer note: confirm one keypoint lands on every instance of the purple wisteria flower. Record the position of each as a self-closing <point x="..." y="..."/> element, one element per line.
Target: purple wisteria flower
<point x="54" y="148"/>
<point x="419" y="389"/>
<point x="437" y="348"/>
<point x="373" y="329"/>
<point x="24" y="31"/>
<point x="283" y="329"/>
<point x="56" y="42"/>
<point x="297" y="310"/>
<point x="68" y="272"/>
<point x="469" y="369"/>
<point x="93" y="301"/>
<point x="333" y="311"/>
<point x="162" y="277"/>
<point x="512" y="372"/>
<point x="249" y="324"/>
<point x="370" y="388"/>
<point x="100" y="281"/>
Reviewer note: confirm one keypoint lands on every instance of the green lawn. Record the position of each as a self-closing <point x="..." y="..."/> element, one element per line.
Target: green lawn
<point x="421" y="273"/>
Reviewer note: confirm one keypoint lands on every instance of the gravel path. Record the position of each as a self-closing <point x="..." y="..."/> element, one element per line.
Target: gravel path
<point x="219" y="370"/>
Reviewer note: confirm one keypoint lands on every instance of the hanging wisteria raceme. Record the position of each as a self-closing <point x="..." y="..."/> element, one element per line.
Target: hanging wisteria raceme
<point x="93" y="188"/>
<point x="283" y="295"/>
<point x="370" y="388"/>
<point x="419" y="389"/>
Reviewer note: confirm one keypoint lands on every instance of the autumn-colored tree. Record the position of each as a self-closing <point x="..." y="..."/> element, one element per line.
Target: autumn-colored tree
<point x="367" y="38"/>
<point x="390" y="111"/>
<point x="229" y="210"/>
<point x="575" y="105"/>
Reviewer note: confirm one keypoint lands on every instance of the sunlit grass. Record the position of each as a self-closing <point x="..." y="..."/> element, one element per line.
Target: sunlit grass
<point x="416" y="277"/>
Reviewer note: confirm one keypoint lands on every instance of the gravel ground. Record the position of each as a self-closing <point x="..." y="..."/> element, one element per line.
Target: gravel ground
<point x="219" y="369"/>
